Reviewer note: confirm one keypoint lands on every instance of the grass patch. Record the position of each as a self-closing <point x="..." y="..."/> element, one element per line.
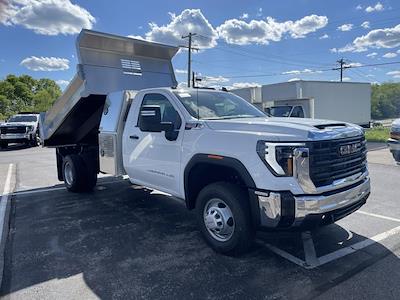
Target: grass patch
<point x="379" y="134"/>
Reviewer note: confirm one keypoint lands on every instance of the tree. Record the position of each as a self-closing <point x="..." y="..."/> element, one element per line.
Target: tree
<point x="24" y="93"/>
<point x="385" y="101"/>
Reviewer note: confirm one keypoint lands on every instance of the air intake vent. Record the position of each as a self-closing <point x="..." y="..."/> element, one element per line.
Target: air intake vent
<point x="131" y="67"/>
<point x="333" y="125"/>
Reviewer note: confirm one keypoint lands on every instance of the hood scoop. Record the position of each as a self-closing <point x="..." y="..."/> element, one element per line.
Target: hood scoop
<point x="331" y="125"/>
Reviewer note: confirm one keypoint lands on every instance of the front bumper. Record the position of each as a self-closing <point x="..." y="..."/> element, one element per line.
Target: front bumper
<point x="394" y="145"/>
<point x="283" y="210"/>
<point x="15" y="136"/>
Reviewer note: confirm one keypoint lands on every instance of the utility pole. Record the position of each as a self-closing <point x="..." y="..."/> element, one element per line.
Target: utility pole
<point x="190" y="35"/>
<point x="343" y="66"/>
<point x="193" y="79"/>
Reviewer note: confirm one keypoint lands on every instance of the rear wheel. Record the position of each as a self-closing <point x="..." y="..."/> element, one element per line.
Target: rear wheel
<point x="78" y="177"/>
<point x="224" y="218"/>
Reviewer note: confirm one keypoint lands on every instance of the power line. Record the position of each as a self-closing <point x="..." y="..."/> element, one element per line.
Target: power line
<point x="311" y="71"/>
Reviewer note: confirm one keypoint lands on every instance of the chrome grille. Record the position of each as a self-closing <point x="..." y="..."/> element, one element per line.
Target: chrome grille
<point x="329" y="161"/>
<point x="13" y="129"/>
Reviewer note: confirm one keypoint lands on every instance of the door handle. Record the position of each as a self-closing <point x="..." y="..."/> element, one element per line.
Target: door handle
<point x="134" y="137"/>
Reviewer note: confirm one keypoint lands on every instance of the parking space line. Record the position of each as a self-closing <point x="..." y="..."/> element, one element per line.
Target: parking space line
<point x="287" y="256"/>
<point x="4" y="199"/>
<point x="357" y="246"/>
<point x="377" y="216"/>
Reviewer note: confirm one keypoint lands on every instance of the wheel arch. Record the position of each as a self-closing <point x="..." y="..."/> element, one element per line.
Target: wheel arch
<point x="203" y="169"/>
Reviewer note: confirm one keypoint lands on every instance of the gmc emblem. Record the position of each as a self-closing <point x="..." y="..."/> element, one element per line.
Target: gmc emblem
<point x="349" y="149"/>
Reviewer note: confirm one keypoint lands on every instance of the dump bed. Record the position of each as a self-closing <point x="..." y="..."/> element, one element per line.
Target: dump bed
<point x="107" y="63"/>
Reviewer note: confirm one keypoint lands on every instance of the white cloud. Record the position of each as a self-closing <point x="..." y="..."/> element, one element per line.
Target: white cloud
<point x="389" y="55"/>
<point x="306" y="25"/>
<point x="346" y="79"/>
<point x="305" y="71"/>
<point x="244" y="16"/>
<point x="373" y="54"/>
<point x="137" y="37"/>
<point x="214" y="79"/>
<point x="325" y="36"/>
<point x="398" y="51"/>
<point x="47" y="17"/>
<point x="45" y="63"/>
<point x="62" y="83"/>
<point x="365" y="24"/>
<point x="180" y="71"/>
<point x="189" y="20"/>
<point x="394" y="74"/>
<point x="377" y="7"/>
<point x="345" y="27"/>
<point x="359" y="7"/>
<point x="377" y="38"/>
<point x="259" y="12"/>
<point x="294" y="79"/>
<point x="353" y="64"/>
<point x="240" y="32"/>
<point x="241" y="85"/>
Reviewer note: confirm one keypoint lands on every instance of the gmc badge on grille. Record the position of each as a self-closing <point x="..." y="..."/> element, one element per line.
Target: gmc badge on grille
<point x="349" y="149"/>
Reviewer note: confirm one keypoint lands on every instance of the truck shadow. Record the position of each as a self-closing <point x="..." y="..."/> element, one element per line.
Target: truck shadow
<point x="15" y="147"/>
<point x="127" y="242"/>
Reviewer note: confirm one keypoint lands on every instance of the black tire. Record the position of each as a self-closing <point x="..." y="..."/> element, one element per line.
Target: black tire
<point x="77" y="176"/>
<point x="396" y="156"/>
<point x="237" y="200"/>
<point x="3" y="145"/>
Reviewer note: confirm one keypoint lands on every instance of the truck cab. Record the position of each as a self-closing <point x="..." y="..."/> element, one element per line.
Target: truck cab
<point x="238" y="169"/>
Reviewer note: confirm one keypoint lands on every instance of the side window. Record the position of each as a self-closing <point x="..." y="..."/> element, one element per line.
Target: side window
<point x="297" y="112"/>
<point x="168" y="112"/>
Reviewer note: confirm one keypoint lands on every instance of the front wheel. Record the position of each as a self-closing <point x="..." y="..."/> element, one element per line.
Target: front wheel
<point x="396" y="156"/>
<point x="224" y="218"/>
<point x="3" y="145"/>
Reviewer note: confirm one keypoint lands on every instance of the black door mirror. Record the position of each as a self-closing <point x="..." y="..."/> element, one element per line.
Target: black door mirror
<point x="150" y="120"/>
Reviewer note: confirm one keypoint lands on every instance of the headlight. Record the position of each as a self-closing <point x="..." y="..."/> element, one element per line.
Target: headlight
<point x="30" y="128"/>
<point x="278" y="157"/>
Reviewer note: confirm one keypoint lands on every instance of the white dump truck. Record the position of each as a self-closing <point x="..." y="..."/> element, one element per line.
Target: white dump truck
<point x="240" y="170"/>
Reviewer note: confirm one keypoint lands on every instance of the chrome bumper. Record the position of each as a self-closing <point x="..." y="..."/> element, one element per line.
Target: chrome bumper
<point x="14" y="136"/>
<point x="393" y="144"/>
<point x="271" y="204"/>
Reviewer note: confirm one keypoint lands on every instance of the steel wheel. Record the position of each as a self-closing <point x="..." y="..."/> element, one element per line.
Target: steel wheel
<point x="218" y="219"/>
<point x="68" y="174"/>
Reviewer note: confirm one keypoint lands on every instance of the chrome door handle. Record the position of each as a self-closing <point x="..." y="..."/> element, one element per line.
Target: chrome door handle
<point x="134" y="137"/>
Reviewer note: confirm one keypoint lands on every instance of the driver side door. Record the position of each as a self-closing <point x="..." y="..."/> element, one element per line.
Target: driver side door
<point x="150" y="158"/>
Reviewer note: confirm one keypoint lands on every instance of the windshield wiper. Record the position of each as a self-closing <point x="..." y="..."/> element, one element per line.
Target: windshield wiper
<point x="233" y="117"/>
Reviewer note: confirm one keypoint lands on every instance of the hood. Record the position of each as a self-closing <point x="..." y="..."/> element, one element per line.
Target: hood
<point x="15" y="124"/>
<point x="288" y="129"/>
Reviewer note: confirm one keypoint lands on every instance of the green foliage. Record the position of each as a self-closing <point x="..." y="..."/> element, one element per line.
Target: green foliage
<point x="378" y="134"/>
<point x="24" y="93"/>
<point x="385" y="101"/>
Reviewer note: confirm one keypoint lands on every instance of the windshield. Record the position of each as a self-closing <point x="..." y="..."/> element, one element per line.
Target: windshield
<point x="280" y="111"/>
<point x="209" y="105"/>
<point x="22" y="119"/>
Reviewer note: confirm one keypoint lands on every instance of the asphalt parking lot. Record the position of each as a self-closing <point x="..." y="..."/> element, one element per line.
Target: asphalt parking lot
<point x="124" y="241"/>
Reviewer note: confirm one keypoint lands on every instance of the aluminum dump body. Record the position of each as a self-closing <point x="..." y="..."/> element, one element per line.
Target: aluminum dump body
<point x="107" y="63"/>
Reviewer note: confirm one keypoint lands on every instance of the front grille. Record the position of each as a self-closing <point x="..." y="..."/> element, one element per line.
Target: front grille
<point x="13" y="129"/>
<point x="328" y="164"/>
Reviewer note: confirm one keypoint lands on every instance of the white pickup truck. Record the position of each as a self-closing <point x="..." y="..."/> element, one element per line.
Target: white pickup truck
<point x="20" y="128"/>
<point x="239" y="169"/>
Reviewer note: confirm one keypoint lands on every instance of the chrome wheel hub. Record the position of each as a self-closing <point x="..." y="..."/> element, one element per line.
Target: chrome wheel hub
<point x="68" y="175"/>
<point x="218" y="219"/>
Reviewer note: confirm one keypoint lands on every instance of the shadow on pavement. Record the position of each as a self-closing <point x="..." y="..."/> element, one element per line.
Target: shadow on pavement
<point x="129" y="243"/>
<point x="14" y="147"/>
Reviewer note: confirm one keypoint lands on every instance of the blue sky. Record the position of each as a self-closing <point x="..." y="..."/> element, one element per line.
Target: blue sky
<point x="242" y="42"/>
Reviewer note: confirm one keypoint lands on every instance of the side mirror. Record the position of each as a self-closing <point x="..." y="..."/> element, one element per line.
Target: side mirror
<point x="150" y="120"/>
